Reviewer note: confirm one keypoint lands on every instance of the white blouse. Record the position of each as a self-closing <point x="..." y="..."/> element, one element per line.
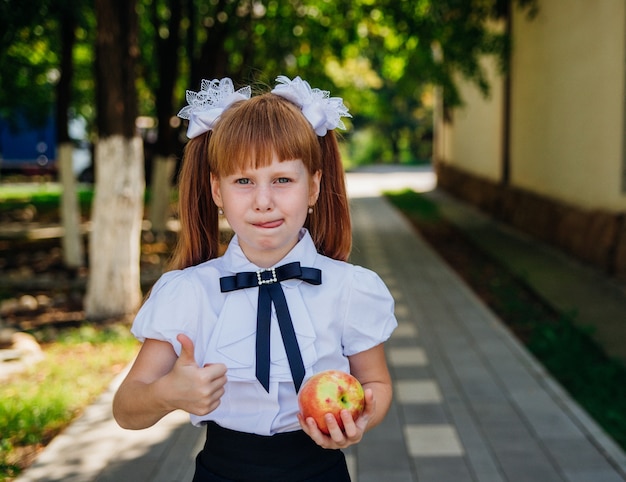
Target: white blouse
<point x="350" y="312"/>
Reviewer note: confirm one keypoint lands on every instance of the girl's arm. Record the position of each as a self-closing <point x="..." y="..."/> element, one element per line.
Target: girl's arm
<point x="160" y="382"/>
<point x="370" y="368"/>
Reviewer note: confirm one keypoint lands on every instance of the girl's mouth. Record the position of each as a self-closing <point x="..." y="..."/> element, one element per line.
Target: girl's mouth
<point x="269" y="224"/>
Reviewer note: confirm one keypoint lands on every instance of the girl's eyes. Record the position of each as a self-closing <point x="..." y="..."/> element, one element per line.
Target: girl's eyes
<point x="245" y="180"/>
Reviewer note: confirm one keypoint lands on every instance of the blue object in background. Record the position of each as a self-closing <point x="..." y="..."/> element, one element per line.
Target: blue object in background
<point x="27" y="148"/>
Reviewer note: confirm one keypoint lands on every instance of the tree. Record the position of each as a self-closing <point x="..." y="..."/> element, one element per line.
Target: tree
<point x="113" y="288"/>
<point x="73" y="253"/>
<point x="37" y="40"/>
<point x="380" y="56"/>
<point x="27" y="62"/>
<point x="396" y="51"/>
<point x="165" y="29"/>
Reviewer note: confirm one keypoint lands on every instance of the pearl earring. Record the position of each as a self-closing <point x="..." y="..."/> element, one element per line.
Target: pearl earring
<point x="220" y="211"/>
<point x="310" y="209"/>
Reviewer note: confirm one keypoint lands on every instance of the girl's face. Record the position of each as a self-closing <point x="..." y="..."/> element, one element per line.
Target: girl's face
<point x="267" y="207"/>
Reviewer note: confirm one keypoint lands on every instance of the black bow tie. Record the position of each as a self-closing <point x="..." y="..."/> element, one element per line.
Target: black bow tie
<point x="271" y="291"/>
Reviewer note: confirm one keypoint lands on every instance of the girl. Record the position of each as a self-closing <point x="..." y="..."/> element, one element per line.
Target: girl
<point x="231" y="338"/>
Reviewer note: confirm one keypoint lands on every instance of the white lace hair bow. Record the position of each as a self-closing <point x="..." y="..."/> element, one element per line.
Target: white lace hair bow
<point x="206" y="106"/>
<point x="322" y="111"/>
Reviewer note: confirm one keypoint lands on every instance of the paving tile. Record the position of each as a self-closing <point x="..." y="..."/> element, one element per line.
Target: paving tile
<point x="388" y="431"/>
<point x="407" y="356"/>
<point x="575" y="455"/>
<point x="390" y="475"/>
<point x="410" y="373"/>
<point x="403" y="314"/>
<point x="417" y="391"/>
<point x="432" y="440"/>
<point x="523" y="460"/>
<point x="351" y="464"/>
<point x="382" y="455"/>
<point x="495" y="413"/>
<point x="590" y="475"/>
<point x="402" y="342"/>
<point x="524" y="468"/>
<point x="404" y="330"/>
<point x="443" y="469"/>
<point x="425" y="413"/>
<point x="547" y="419"/>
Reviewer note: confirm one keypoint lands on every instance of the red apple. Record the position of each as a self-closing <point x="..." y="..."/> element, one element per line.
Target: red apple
<point x="331" y="391"/>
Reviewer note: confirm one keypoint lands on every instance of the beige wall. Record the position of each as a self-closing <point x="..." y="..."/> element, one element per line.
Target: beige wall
<point x="567" y="104"/>
<point x="478" y="127"/>
<point x="567" y="107"/>
<point x="473" y="140"/>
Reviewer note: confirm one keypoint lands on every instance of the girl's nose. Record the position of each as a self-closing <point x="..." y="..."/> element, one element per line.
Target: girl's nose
<point x="263" y="200"/>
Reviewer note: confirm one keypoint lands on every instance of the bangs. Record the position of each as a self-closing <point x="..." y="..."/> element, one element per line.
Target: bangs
<point x="250" y="133"/>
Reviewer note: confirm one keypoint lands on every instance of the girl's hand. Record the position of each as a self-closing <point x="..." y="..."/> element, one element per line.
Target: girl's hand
<point x="195" y="389"/>
<point x="353" y="430"/>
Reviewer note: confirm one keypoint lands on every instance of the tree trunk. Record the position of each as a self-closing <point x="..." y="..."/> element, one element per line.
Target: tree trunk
<point x="73" y="255"/>
<point x="113" y="288"/>
<point x="213" y="60"/>
<point x="72" y="242"/>
<point x="114" y="284"/>
<point x="161" y="184"/>
<point x="164" y="162"/>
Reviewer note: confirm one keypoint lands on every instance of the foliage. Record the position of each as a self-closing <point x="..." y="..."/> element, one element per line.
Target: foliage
<point x="78" y="366"/>
<point x="366" y="147"/>
<point x="29" y="64"/>
<point x="383" y="57"/>
<point x="566" y="350"/>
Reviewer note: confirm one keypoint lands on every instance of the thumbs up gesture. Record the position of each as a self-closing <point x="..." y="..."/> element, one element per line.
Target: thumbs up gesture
<point x="195" y="389"/>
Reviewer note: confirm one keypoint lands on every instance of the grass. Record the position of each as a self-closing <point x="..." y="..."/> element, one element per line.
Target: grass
<point x="45" y="197"/>
<point x="79" y="364"/>
<point x="567" y="351"/>
<point x="37" y="404"/>
<point x="41" y="194"/>
<point x="40" y="199"/>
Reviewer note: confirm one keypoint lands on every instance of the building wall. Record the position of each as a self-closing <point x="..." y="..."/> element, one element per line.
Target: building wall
<point x="567" y="128"/>
<point x="567" y="154"/>
<point x="567" y="102"/>
<point x="471" y="139"/>
<point x="476" y="141"/>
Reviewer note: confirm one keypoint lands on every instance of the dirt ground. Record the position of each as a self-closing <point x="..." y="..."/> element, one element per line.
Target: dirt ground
<point x="36" y="289"/>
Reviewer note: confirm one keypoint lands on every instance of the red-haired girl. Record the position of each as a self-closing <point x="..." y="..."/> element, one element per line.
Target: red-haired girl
<point x="231" y="338"/>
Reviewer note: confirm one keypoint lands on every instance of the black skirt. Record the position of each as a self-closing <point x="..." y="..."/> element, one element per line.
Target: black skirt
<point x="231" y="456"/>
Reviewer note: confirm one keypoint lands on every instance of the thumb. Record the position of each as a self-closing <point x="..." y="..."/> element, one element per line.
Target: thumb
<point x="187" y="356"/>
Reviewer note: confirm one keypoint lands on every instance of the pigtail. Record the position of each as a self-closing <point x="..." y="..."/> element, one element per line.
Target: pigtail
<point x="198" y="239"/>
<point x="330" y="224"/>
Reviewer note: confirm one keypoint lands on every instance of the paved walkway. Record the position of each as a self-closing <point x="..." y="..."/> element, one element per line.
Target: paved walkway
<point x="470" y="403"/>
